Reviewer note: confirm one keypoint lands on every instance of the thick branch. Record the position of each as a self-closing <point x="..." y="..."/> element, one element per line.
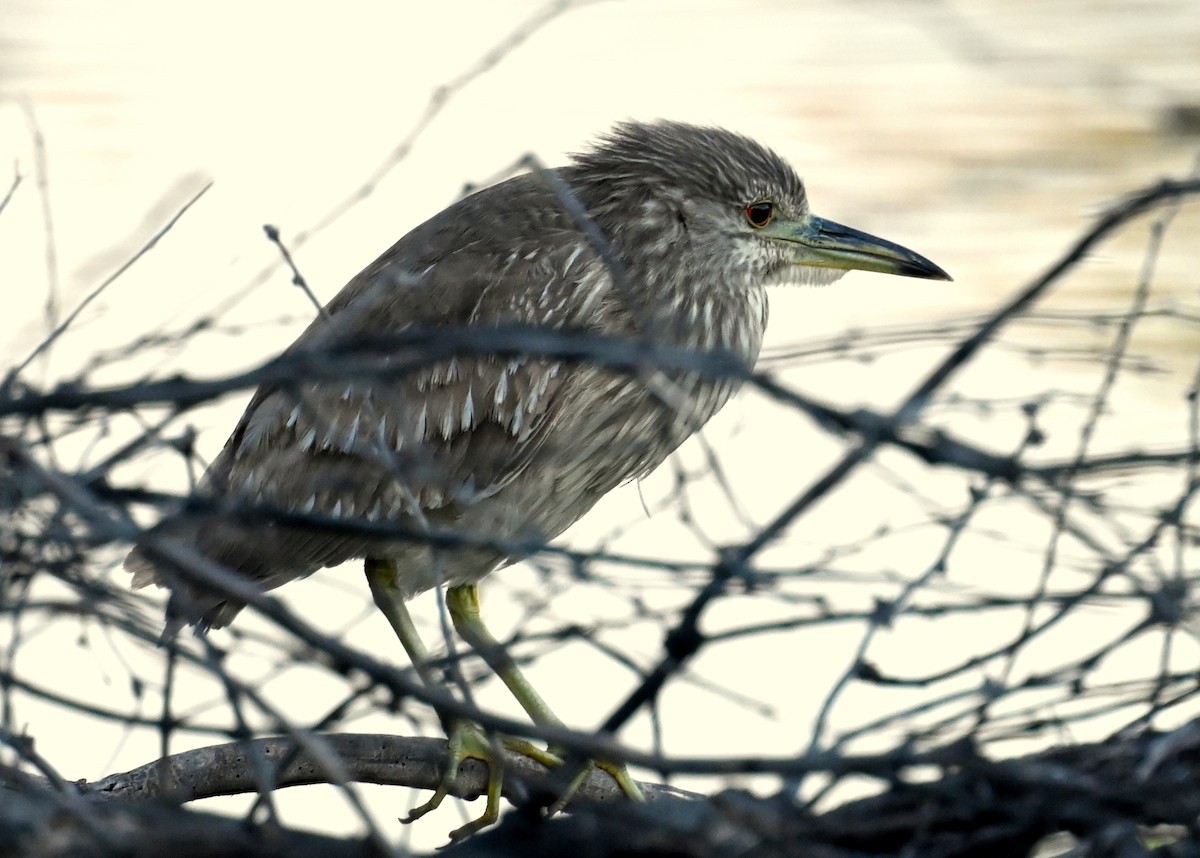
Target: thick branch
<point x="230" y="769"/>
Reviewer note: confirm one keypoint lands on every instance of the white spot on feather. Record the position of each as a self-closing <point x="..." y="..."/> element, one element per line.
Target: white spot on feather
<point x="502" y="385"/>
<point x="329" y="441"/>
<point x="468" y="410"/>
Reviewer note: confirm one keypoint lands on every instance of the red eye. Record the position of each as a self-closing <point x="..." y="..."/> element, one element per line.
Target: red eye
<point x="760" y="214"/>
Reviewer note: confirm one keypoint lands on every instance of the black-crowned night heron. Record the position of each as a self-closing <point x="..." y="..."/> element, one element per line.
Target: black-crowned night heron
<point x="504" y="448"/>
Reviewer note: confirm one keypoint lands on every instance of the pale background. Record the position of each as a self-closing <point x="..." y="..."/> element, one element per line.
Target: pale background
<point x="982" y="134"/>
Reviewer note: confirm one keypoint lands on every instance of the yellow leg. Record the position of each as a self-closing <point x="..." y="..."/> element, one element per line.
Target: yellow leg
<point x="381" y="576"/>
<point x="465" y="740"/>
<point x="463" y="604"/>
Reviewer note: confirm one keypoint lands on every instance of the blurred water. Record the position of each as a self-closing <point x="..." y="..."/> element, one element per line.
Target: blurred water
<point x="985" y="135"/>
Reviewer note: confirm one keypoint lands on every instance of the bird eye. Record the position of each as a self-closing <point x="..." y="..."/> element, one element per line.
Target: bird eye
<point x="760" y="214"/>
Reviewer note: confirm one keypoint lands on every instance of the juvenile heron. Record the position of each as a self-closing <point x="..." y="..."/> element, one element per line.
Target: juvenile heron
<point x="684" y="228"/>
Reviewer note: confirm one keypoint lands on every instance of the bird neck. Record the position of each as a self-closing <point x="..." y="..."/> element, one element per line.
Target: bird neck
<point x="695" y="314"/>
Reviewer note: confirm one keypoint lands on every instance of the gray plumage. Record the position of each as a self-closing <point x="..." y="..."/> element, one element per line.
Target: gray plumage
<point x="498" y="446"/>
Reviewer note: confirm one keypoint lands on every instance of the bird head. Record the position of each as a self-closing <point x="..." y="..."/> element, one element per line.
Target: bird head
<point x="718" y="207"/>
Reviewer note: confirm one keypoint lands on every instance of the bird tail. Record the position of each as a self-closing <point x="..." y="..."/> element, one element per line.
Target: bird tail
<point x="191" y="602"/>
<point x="265" y="554"/>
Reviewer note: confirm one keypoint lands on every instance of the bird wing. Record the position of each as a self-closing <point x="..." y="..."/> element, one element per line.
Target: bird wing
<point x="451" y="432"/>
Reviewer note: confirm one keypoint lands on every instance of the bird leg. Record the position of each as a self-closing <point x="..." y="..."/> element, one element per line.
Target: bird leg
<point x="465" y="740"/>
<point x="463" y="604"/>
<point x="381" y="576"/>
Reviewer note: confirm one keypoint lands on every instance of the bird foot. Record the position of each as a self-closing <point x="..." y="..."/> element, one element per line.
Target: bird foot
<point x="468" y="742"/>
<point x="619" y="772"/>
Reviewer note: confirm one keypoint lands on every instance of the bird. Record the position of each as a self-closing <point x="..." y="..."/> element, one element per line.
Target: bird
<point x="660" y="231"/>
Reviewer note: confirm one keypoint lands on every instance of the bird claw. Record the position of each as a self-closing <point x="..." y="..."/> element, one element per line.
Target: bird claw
<point x="466" y="741"/>
<point x="619" y="772"/>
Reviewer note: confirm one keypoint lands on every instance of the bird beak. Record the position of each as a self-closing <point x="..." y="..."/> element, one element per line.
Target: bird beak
<point x="822" y="243"/>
